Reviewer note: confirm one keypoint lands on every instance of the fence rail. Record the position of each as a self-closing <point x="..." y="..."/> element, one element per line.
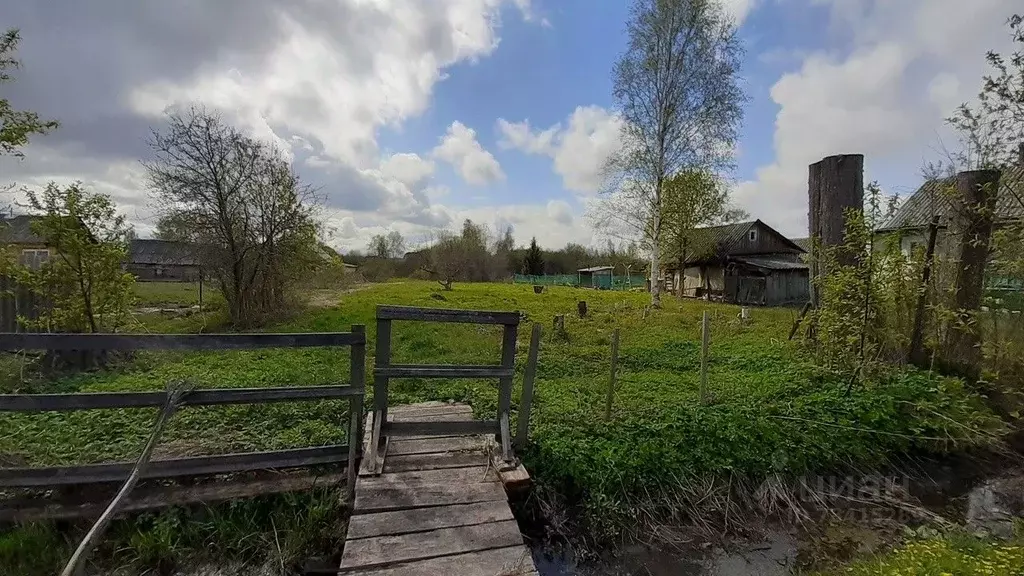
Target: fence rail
<point x="605" y="282"/>
<point x="201" y="465"/>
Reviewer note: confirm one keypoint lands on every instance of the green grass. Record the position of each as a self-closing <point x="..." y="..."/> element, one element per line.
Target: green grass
<point x="953" y="554"/>
<point x="175" y="294"/>
<point x="771" y="410"/>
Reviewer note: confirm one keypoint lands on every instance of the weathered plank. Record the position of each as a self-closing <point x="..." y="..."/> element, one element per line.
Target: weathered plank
<point x="423" y="519"/>
<point x="389" y="498"/>
<point x="419" y="478"/>
<point x="446" y="315"/>
<point x="147" y="498"/>
<point x="442" y="371"/>
<point x="176" y="467"/>
<point x="428" y="461"/>
<point x="101" y="400"/>
<point x="390" y="550"/>
<point x="442" y="428"/>
<point x="435" y="445"/>
<point x="512" y="477"/>
<point x="510" y="561"/>
<point x="438" y="414"/>
<point x="28" y="341"/>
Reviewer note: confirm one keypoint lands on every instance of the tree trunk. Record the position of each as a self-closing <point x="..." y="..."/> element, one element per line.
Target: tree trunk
<point x="978" y="190"/>
<point x="917" y="355"/>
<point x="834" y="185"/>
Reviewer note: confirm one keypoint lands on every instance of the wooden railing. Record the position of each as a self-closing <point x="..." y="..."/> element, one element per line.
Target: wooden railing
<point x="340" y="454"/>
<point x="384" y="370"/>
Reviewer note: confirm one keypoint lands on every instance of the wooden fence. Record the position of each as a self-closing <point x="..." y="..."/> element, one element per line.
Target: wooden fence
<point x="56" y="476"/>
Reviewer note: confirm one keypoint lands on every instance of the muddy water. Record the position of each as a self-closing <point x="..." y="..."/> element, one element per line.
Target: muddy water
<point x="773" y="556"/>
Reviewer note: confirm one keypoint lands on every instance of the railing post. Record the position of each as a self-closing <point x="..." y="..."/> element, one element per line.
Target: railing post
<point x="382" y="359"/>
<point x="526" y="401"/>
<point x="357" y="378"/>
<point x="508" y="360"/>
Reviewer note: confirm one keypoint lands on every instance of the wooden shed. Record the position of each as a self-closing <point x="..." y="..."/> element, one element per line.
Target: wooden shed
<point x="595" y="277"/>
<point x="164" y="260"/>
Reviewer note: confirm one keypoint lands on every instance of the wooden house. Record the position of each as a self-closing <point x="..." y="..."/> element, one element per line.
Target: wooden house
<point x="16" y="234"/>
<point x="163" y="260"/>
<point x="746" y="263"/>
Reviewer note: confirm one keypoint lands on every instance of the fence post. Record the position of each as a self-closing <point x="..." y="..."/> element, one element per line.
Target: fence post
<point x="611" y="381"/>
<point x="525" y="403"/>
<point x="705" y="335"/>
<point x="508" y="360"/>
<point x="357" y="377"/>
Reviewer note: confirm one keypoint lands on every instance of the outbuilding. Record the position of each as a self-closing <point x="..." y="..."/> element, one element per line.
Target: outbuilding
<point x="595" y="277"/>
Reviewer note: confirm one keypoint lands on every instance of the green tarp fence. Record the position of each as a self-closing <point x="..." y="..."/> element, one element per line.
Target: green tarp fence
<point x="604" y="282"/>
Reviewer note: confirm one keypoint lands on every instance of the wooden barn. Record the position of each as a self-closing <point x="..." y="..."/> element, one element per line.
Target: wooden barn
<point x="746" y="263"/>
<point x="163" y="260"/>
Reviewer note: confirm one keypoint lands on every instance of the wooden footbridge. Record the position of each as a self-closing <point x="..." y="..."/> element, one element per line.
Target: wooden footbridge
<point x="431" y="493"/>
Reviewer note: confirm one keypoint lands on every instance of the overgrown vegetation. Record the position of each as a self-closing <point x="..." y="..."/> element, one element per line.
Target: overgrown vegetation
<point x="772" y="412"/>
<point x="943" y="554"/>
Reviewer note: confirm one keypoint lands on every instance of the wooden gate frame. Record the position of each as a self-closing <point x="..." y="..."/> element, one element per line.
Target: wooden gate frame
<point x="384" y="370"/>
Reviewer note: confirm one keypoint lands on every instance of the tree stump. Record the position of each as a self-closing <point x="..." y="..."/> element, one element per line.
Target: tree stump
<point x="559" y="326"/>
<point x="537" y="289"/>
<point x="833" y="185"/>
<point x="977" y="191"/>
<point x="581" y="307"/>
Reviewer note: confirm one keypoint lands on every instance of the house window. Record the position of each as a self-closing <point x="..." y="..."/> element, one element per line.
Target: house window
<point x="34" y="259"/>
<point x="752" y="235"/>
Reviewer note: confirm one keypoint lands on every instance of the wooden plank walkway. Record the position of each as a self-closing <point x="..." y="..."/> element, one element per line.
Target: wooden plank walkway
<point x="438" y="507"/>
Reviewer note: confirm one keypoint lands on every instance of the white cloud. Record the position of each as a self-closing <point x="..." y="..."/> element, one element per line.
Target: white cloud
<point x="579" y="149"/>
<point x="409" y="169"/>
<point x="909" y="64"/>
<point x="460" y="148"/>
<point x="560" y="212"/>
<point x="739" y="9"/>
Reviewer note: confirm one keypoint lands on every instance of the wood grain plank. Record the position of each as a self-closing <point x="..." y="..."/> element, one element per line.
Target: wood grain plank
<point x="418" y="479"/>
<point x="438" y="414"/>
<point x="423" y="519"/>
<point x="390" y="550"/>
<point x="447" y="428"/>
<point x="389" y="498"/>
<point x="511" y="561"/>
<point x="446" y="315"/>
<point x="436" y="445"/>
<point x="435" y="461"/>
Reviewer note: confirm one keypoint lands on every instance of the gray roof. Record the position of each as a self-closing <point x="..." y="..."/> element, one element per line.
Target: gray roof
<point x="595" y="269"/>
<point x="18" y="230"/>
<point x="804" y="243"/>
<point x="165" y="252"/>
<point x="931" y="200"/>
<point x="770" y="263"/>
<point x="716" y="241"/>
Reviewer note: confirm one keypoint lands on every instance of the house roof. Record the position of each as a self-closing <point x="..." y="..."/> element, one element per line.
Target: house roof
<point x="165" y="252"/>
<point x="930" y="200"/>
<point x="18" y="230"/>
<point x="595" y="269"/>
<point x="770" y="263"/>
<point x="725" y="240"/>
<point x="804" y="243"/>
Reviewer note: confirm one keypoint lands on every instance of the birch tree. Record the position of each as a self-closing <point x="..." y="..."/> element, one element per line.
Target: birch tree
<point x="677" y="92"/>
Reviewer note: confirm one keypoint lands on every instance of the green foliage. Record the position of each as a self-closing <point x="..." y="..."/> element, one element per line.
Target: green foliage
<point x="692" y="199"/>
<point x="533" y="262"/>
<point x="773" y="411"/>
<point x="867" y="295"/>
<point x="940" y="555"/>
<point x="16" y="126"/>
<point x="83" y="279"/>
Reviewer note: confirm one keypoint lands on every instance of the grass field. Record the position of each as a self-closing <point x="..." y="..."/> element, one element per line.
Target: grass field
<point x="172" y="294"/>
<point x="771" y="411"/>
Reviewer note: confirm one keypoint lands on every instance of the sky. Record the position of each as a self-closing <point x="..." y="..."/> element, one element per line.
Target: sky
<point x="414" y="115"/>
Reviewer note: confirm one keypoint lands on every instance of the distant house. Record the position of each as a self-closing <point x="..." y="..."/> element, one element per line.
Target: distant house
<point x="595" y="277"/>
<point x="31" y="249"/>
<point x="915" y="214"/>
<point x="166" y="260"/>
<point x="744" y="263"/>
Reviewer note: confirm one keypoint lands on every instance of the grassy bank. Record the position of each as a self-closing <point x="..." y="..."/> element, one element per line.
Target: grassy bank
<point x="771" y="411"/>
<point x="946" y="554"/>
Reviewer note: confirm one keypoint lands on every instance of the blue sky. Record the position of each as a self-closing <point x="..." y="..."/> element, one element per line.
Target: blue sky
<point x="413" y="115"/>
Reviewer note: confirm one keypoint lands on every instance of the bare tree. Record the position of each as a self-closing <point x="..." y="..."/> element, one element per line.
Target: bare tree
<point x="389" y="246"/>
<point x="240" y="202"/>
<point x="448" y="259"/>
<point x="676" y="88"/>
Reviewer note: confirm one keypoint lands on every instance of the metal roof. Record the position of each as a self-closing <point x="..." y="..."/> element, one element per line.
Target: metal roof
<point x="721" y="241"/>
<point x="18" y="230"/>
<point x="165" y="252"/>
<point x="931" y="200"/>
<point x="804" y="243"/>
<point x="596" y="269"/>
<point x="769" y="263"/>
